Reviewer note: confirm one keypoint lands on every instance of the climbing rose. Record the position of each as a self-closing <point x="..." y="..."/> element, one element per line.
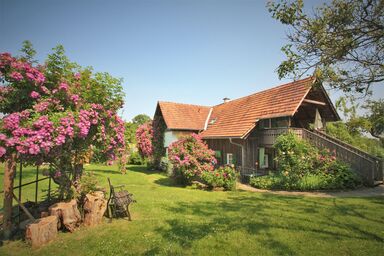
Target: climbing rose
<point x="35" y="95"/>
<point x="2" y="151"/>
<point x="16" y="75"/>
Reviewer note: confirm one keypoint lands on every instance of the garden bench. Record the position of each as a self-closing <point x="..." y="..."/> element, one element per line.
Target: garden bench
<point x="118" y="202"/>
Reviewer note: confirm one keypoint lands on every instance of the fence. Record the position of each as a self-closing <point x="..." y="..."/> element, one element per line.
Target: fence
<point x="19" y="197"/>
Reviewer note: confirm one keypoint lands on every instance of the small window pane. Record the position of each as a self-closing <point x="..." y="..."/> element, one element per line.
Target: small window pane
<point x="280" y="122"/>
<point x="264" y="123"/>
<point x="229" y="158"/>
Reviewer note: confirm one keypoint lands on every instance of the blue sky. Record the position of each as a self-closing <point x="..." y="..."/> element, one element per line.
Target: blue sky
<point x="186" y="51"/>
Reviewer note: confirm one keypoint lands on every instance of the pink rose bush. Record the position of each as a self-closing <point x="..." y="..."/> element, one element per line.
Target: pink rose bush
<point x="144" y="137"/>
<point x="68" y="111"/>
<point x="191" y="157"/>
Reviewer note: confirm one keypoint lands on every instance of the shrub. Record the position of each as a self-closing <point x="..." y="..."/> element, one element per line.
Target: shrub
<point x="191" y="157"/>
<point x="303" y="167"/>
<point x="312" y="182"/>
<point x="271" y="181"/>
<point x="166" y="166"/>
<point x="135" y="158"/>
<point x="341" y="176"/>
<point x="88" y="183"/>
<point x="294" y="156"/>
<point x="224" y="177"/>
<point x="338" y="176"/>
<point x="144" y="134"/>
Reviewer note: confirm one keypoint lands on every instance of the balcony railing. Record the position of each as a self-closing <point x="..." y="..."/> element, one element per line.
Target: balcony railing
<point x="268" y="136"/>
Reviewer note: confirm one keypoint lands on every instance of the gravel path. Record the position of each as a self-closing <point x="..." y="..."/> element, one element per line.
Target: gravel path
<point x="361" y="192"/>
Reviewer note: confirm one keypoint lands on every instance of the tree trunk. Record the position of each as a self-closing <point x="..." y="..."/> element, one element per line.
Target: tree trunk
<point x="67" y="213"/>
<point x="9" y="173"/>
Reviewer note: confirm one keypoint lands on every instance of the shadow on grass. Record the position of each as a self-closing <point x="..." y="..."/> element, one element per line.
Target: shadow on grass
<point x="141" y="169"/>
<point x="168" y="182"/>
<point x="271" y="218"/>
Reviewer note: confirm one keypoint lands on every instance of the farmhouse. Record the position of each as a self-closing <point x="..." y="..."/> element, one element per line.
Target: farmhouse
<point x="242" y="131"/>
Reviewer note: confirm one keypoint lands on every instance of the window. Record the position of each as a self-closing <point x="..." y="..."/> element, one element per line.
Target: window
<point x="280" y="122"/>
<point x="265" y="123"/>
<point x="263" y="159"/>
<point x="229" y="158"/>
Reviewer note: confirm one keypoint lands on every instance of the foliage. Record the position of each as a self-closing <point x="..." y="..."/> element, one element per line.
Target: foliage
<point x="224" y="177"/>
<point x="294" y="156"/>
<point x="56" y="111"/>
<point x="130" y="133"/>
<point x="141" y="119"/>
<point x="341" y="42"/>
<point x="135" y="158"/>
<point x="342" y="131"/>
<point x="159" y="128"/>
<point x="191" y="157"/>
<point x="337" y="176"/>
<point x="144" y="135"/>
<point x="166" y="166"/>
<point x="271" y="181"/>
<point x="303" y="167"/>
<point x="89" y="183"/>
<point x="375" y="118"/>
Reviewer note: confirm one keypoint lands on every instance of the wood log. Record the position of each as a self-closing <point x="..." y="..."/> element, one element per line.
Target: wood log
<point x="94" y="208"/>
<point x="41" y="231"/>
<point x="9" y="173"/>
<point x="67" y="213"/>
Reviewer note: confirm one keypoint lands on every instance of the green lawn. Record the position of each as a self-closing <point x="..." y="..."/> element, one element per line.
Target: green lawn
<point x="171" y="220"/>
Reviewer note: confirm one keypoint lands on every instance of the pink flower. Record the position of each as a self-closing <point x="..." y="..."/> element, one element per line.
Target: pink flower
<point x="41" y="107"/>
<point x="75" y="98"/>
<point x="57" y="174"/>
<point x="3" y="137"/>
<point x="2" y="151"/>
<point x="35" y="95"/>
<point x="44" y="89"/>
<point x="77" y="76"/>
<point x="30" y="76"/>
<point x="63" y="86"/>
<point x="34" y="149"/>
<point x="16" y="75"/>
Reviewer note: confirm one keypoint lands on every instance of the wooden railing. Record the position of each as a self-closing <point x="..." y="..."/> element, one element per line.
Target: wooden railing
<point x="268" y="136"/>
<point x="368" y="166"/>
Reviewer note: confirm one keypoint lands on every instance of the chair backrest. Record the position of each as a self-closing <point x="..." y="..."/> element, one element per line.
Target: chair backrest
<point x="111" y="188"/>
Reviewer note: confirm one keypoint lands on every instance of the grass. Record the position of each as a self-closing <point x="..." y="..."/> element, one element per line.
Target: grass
<point x="172" y="220"/>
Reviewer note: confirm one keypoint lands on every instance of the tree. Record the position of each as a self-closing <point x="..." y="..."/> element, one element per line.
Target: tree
<point x="55" y="112"/>
<point x="342" y="43"/>
<point x="375" y="117"/>
<point x="141" y="119"/>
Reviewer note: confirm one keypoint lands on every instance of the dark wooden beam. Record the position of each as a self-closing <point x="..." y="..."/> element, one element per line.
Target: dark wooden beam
<point x="314" y="102"/>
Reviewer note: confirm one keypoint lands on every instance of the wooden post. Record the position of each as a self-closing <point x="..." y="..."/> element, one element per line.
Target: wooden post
<point x="37" y="184"/>
<point x="9" y="173"/>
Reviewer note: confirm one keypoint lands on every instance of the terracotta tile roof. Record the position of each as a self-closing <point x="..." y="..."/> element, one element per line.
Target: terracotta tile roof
<point x="238" y="117"/>
<point x="184" y="116"/>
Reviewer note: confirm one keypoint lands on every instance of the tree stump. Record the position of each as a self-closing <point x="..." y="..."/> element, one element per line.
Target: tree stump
<point x="42" y="231"/>
<point x="67" y="213"/>
<point x="94" y="208"/>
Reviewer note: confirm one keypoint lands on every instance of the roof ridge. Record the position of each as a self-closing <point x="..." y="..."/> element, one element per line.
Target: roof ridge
<point x="195" y="105"/>
<point x="272" y="88"/>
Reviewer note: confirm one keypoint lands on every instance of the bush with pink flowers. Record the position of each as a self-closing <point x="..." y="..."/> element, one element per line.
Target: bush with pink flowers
<point x="54" y="112"/>
<point x="144" y="135"/>
<point x="222" y="177"/>
<point x="190" y="157"/>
